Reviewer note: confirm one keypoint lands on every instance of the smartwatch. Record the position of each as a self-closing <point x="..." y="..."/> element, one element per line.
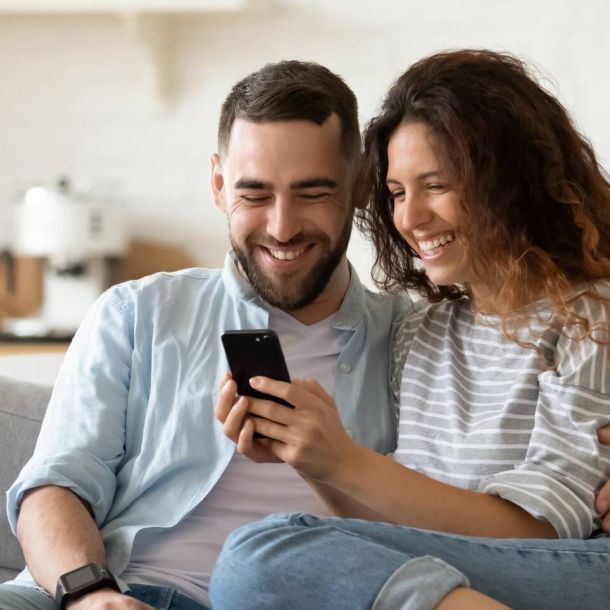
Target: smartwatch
<point x="83" y="580"/>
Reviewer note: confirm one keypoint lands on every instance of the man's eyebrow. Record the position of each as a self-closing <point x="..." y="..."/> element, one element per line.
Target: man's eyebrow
<point x="313" y="183"/>
<point x="251" y="183"/>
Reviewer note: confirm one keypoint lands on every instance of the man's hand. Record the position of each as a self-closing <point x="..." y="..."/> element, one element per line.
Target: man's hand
<point x="232" y="412"/>
<point x="602" y="502"/>
<point x="107" y="599"/>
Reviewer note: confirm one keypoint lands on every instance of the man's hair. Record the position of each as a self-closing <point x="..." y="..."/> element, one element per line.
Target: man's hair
<point x="292" y="91"/>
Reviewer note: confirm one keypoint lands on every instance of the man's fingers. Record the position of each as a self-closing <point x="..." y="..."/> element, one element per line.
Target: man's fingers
<point x="603" y="434"/>
<point x="602" y="499"/>
<point x="606" y="523"/>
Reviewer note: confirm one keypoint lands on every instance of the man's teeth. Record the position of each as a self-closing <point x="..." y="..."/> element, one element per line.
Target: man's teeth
<point x="284" y="255"/>
<point x="431" y="244"/>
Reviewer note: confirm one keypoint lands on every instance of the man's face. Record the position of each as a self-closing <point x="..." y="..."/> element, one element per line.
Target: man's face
<point x="285" y="189"/>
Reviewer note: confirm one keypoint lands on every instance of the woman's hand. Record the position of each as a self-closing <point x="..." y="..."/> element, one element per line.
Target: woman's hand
<point x="232" y="411"/>
<point x="310" y="437"/>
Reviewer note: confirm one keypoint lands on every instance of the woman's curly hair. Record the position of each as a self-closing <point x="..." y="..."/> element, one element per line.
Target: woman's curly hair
<point x="536" y="199"/>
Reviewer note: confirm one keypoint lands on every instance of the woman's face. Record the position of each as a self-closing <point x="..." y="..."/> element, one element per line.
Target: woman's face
<point x="427" y="210"/>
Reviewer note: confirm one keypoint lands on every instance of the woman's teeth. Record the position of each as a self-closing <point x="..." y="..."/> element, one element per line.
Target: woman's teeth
<point x="432" y="244"/>
<point x="284" y="255"/>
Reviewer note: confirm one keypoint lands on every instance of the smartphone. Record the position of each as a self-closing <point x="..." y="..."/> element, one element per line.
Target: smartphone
<point x="251" y="353"/>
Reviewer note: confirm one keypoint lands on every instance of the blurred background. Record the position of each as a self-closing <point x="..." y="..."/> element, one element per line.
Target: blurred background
<point x="108" y="113"/>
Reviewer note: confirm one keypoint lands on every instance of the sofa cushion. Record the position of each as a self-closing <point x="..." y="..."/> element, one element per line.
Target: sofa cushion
<point x="22" y="407"/>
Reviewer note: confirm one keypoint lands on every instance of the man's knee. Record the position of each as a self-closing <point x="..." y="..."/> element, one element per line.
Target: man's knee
<point x="13" y="597"/>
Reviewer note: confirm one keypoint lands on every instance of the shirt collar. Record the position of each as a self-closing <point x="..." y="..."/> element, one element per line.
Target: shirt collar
<point x="349" y="314"/>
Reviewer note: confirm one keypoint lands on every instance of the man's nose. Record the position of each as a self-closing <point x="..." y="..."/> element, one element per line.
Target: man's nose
<point x="284" y="220"/>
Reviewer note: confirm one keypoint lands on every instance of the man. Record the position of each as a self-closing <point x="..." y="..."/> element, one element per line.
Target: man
<point x="132" y="473"/>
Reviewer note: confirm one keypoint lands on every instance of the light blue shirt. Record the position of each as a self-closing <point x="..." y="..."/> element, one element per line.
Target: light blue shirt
<point x="130" y="427"/>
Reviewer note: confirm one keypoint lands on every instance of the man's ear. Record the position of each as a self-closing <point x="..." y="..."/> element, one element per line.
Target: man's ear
<point x="218" y="183"/>
<point x="358" y="190"/>
<point x="359" y="196"/>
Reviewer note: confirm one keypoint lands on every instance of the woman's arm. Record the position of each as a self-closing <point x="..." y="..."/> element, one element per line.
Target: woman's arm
<point x="312" y="439"/>
<point x="406" y="497"/>
<point x="342" y="505"/>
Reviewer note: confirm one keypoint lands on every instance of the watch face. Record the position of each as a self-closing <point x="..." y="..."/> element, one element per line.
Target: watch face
<point x="81" y="577"/>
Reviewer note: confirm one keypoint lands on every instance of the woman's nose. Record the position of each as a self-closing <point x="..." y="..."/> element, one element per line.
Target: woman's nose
<point x="410" y="211"/>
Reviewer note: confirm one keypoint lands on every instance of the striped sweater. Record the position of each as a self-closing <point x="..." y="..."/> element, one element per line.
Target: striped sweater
<point x="479" y="411"/>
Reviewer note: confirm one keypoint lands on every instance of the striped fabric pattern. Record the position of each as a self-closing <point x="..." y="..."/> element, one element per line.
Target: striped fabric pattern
<point x="479" y="411"/>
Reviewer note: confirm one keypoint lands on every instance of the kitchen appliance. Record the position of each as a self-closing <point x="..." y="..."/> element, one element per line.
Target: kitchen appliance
<point x="78" y="237"/>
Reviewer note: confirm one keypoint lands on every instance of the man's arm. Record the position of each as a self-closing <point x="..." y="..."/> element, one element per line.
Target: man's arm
<point x="58" y="534"/>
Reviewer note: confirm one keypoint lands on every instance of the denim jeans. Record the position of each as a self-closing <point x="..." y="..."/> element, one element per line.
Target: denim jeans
<point x="14" y="597"/>
<point x="305" y="563"/>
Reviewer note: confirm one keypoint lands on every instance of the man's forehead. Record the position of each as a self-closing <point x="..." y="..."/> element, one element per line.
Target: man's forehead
<point x="245" y="132"/>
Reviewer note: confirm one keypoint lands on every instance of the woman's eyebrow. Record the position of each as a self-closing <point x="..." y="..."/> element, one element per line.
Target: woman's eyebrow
<point x="423" y="176"/>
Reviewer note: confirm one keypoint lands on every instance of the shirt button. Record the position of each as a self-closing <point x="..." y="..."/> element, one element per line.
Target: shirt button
<point x="345" y="367"/>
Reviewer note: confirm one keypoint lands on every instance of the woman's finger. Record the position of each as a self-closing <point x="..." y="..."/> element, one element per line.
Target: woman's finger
<point x="312" y="386"/>
<point x="271" y="410"/>
<point x="235" y="419"/>
<point x="270" y="429"/>
<point x="225" y="400"/>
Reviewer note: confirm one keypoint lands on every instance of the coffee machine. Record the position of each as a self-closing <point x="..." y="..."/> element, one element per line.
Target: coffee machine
<point x="78" y="237"/>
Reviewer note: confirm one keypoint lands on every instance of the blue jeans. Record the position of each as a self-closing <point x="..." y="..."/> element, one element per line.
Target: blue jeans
<point x="305" y="563"/>
<point x="14" y="597"/>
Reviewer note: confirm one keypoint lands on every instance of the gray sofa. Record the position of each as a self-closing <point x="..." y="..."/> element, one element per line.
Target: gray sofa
<point x="22" y="407"/>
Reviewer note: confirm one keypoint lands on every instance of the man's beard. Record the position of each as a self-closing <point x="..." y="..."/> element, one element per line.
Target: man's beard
<point x="291" y="295"/>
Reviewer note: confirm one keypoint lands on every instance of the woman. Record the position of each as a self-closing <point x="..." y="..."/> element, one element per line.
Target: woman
<point x="485" y="199"/>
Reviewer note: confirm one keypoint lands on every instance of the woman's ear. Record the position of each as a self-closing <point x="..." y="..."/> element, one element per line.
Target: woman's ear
<point x="218" y="183"/>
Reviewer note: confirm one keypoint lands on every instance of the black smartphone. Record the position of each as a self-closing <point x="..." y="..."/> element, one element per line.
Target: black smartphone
<point x="255" y="352"/>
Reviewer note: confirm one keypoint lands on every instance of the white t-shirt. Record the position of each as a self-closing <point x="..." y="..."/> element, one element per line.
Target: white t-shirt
<point x="184" y="556"/>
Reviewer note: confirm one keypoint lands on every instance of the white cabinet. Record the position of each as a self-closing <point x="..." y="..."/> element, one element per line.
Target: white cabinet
<point x="148" y="21"/>
<point x="49" y="7"/>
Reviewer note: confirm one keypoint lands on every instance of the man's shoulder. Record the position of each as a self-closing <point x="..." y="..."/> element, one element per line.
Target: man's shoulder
<point x="194" y="278"/>
<point x="398" y="303"/>
<point x="185" y="284"/>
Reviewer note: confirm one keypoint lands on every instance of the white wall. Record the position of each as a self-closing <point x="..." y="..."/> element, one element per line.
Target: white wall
<point x="77" y="92"/>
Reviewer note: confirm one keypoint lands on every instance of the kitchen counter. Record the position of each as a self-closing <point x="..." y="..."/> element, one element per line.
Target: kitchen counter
<point x="10" y="348"/>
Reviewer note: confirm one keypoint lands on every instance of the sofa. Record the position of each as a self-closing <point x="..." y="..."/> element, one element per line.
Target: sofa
<point x="22" y="407"/>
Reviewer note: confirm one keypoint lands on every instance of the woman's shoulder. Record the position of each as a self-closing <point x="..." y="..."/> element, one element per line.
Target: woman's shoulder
<point x="424" y="313"/>
<point x="591" y="303"/>
<point x="583" y="344"/>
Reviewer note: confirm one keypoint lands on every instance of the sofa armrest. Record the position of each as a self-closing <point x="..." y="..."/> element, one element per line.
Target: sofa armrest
<point x="22" y="407"/>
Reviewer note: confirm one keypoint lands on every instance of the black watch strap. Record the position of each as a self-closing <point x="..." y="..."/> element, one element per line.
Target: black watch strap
<point x="86" y="579"/>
